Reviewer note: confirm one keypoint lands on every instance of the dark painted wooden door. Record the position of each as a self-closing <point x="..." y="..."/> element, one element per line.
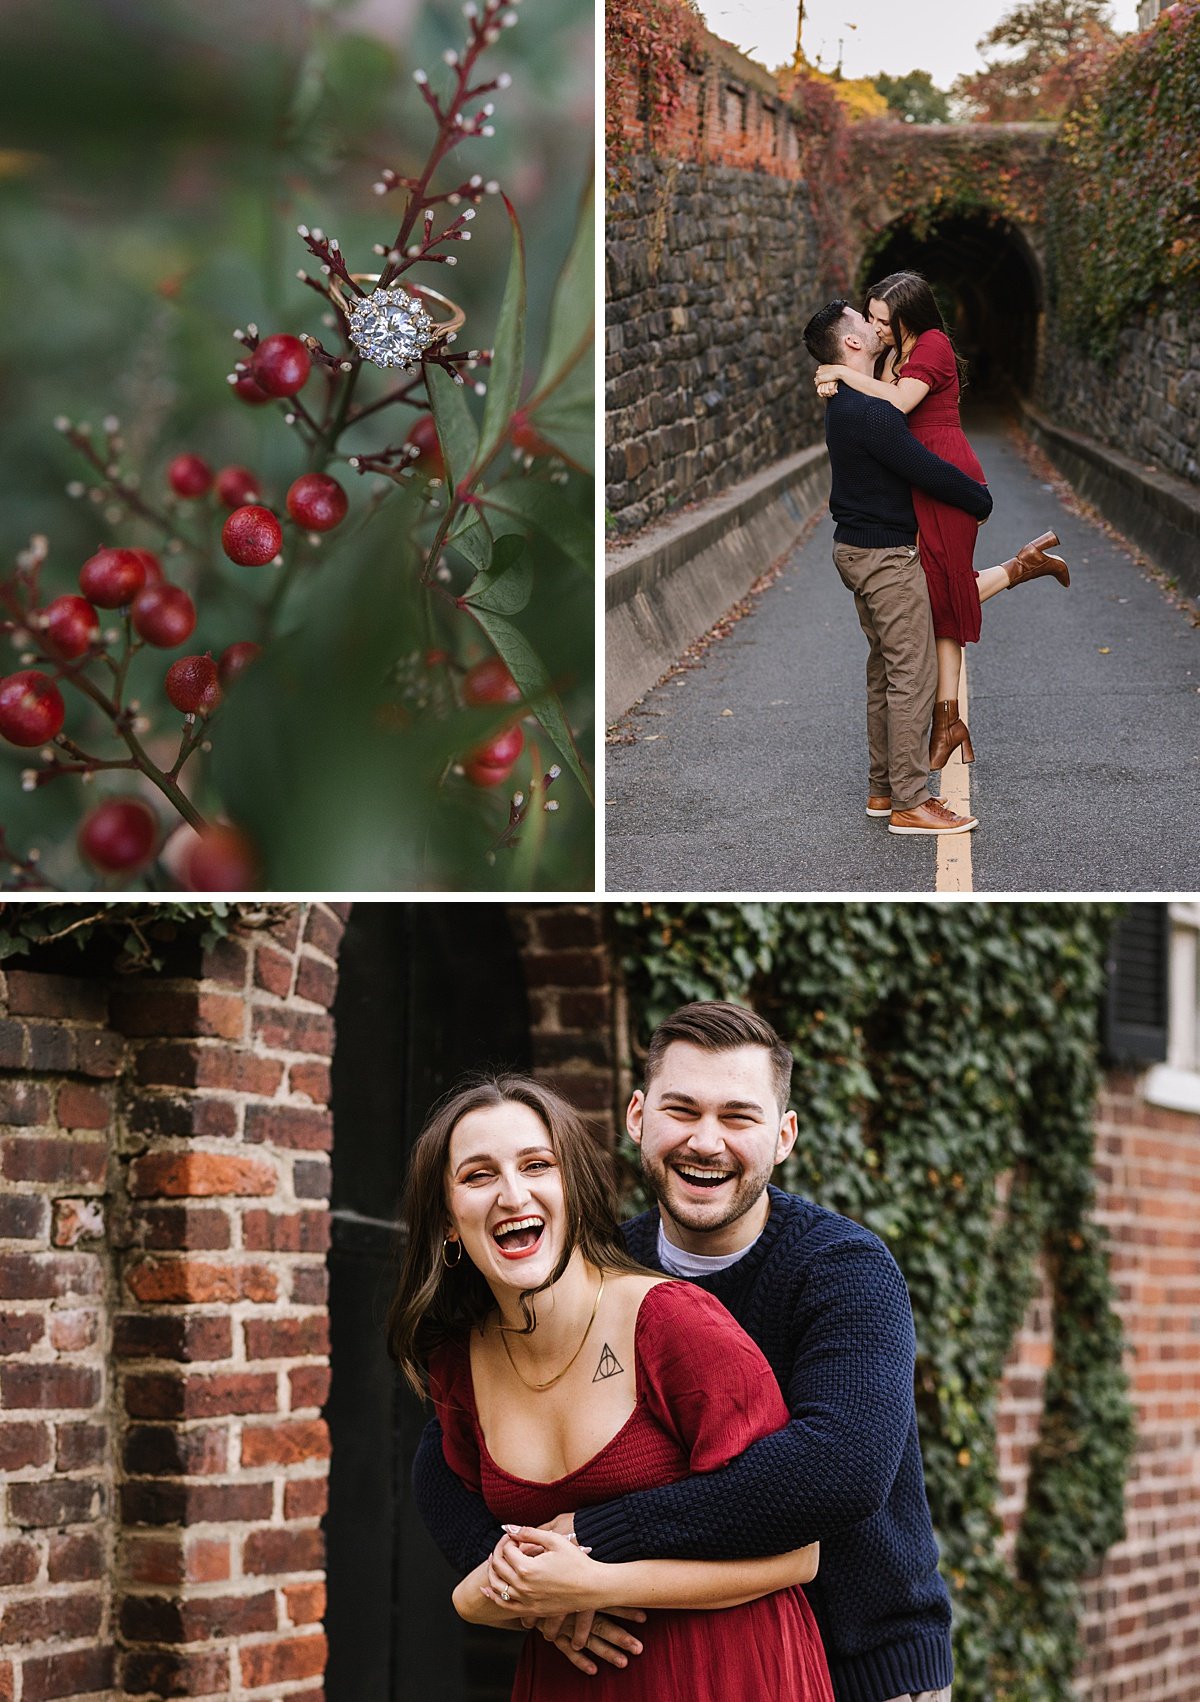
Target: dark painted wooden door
<point x="426" y="993"/>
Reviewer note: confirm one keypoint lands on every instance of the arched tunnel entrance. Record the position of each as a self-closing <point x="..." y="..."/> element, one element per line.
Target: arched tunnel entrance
<point x="988" y="285"/>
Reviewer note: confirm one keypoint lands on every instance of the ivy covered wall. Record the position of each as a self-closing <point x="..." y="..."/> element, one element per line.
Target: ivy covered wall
<point x="1122" y="345"/>
<point x="945" y="1087"/>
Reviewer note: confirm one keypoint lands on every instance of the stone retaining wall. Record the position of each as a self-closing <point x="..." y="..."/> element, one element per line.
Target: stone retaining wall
<point x="712" y="274"/>
<point x="1147" y="404"/>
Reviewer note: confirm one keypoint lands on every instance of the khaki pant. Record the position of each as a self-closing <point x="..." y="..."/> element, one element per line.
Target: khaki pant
<point x="893" y="610"/>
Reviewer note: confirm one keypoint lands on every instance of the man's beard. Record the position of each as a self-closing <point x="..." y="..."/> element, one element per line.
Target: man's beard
<point x="697" y="1215"/>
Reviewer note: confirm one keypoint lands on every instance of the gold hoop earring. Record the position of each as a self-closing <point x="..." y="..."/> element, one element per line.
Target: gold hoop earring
<point x="451" y="1263"/>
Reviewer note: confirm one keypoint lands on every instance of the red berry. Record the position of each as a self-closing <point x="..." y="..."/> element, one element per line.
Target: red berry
<point x="120" y="834"/>
<point x="491" y="763"/>
<point x="193" y="686"/>
<point x="247" y="388"/>
<point x="154" y="572"/>
<point x="70" y="626"/>
<point x="163" y="615"/>
<point x="113" y="577"/>
<point x="251" y="536"/>
<point x="236" y="659"/>
<point x="280" y="365"/>
<point x="222" y="859"/>
<point x="489" y="681"/>
<point x="317" y="502"/>
<point x="189" y="476"/>
<point x="237" y="485"/>
<point x="31" y="708"/>
<point x="424" y="439"/>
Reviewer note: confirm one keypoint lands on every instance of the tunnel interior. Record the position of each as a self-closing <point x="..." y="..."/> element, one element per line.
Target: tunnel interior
<point x="987" y="285"/>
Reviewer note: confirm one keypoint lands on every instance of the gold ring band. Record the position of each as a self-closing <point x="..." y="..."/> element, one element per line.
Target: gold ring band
<point x="442" y="326"/>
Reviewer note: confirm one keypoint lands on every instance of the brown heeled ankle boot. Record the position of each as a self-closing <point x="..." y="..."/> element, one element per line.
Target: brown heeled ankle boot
<point x="949" y="732"/>
<point x="1032" y="562"/>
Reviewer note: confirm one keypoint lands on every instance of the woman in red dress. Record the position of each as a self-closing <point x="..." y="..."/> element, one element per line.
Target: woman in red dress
<point x="564" y="1374"/>
<point x="919" y="373"/>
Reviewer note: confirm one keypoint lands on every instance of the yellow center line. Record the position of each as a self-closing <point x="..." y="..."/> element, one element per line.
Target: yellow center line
<point x="954" y="849"/>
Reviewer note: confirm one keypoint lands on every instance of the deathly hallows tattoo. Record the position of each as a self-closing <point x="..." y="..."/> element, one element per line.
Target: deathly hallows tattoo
<point x="609" y="1365"/>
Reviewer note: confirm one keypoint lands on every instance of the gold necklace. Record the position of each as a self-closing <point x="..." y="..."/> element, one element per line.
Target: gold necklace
<point x="558" y="1375"/>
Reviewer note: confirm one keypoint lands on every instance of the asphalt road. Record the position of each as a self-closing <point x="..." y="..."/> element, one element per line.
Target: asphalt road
<point x="747" y="772"/>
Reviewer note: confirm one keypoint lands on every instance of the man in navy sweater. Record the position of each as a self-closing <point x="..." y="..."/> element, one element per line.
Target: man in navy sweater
<point x="875" y="462"/>
<point x="826" y="1303"/>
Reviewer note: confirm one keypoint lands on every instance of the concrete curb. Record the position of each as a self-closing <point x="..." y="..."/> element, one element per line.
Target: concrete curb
<point x="1158" y="511"/>
<point x="667" y="588"/>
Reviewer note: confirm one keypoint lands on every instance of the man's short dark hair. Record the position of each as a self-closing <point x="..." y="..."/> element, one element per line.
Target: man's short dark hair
<point x="822" y="338"/>
<point x="717" y="1026"/>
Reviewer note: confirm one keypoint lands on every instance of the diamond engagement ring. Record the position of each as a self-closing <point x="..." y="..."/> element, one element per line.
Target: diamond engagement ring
<point x="504" y="1595"/>
<point x="390" y="327"/>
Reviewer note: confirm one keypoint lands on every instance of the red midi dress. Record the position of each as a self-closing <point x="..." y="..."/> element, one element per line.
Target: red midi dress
<point x="946" y="535"/>
<point x="704" y="1392"/>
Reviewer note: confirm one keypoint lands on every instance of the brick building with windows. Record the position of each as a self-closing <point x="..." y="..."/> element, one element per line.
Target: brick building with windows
<point x="203" y="1448"/>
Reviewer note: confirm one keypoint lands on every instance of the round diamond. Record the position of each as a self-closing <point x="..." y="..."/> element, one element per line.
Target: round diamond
<point x="390" y="328"/>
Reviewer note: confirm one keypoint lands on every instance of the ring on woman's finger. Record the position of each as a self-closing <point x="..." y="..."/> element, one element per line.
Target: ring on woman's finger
<point x="505" y="1596"/>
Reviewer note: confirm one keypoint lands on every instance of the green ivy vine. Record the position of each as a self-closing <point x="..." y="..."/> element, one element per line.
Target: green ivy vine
<point x="142" y="935"/>
<point x="945" y="1085"/>
<point x="1124" y="216"/>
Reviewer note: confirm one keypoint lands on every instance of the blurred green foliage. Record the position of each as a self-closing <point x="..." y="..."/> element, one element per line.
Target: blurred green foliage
<point x="155" y="159"/>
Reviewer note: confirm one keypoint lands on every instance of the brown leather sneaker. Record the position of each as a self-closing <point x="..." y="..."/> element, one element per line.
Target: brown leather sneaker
<point x="879" y="806"/>
<point x="930" y="817"/>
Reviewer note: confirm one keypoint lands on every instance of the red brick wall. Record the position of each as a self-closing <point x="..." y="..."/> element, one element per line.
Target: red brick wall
<point x="571" y="1003"/>
<point x="730" y="112"/>
<point x="57" y="1104"/>
<point x="1141" y="1622"/>
<point x="164" y="1187"/>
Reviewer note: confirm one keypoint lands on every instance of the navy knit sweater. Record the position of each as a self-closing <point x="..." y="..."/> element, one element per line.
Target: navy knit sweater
<point x="826" y="1303"/>
<point x="876" y="461"/>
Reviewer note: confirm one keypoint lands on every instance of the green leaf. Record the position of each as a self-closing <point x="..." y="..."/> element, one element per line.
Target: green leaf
<point x="455" y="427"/>
<point x="526" y="667"/>
<point x="507" y="585"/>
<point x="573" y="310"/>
<point x="471" y="538"/>
<point x="567" y="419"/>
<point x="508" y="356"/>
<point x="546" y="509"/>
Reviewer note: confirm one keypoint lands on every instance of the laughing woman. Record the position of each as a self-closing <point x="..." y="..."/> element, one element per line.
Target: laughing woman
<point x="919" y="373"/>
<point x="565" y="1374"/>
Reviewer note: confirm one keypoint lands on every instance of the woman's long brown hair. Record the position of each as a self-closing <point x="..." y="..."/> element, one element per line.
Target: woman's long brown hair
<point x="434" y="1302"/>
<point x="913" y="308"/>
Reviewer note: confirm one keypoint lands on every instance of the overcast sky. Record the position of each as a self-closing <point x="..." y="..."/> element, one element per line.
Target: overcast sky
<point x="889" y="36"/>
